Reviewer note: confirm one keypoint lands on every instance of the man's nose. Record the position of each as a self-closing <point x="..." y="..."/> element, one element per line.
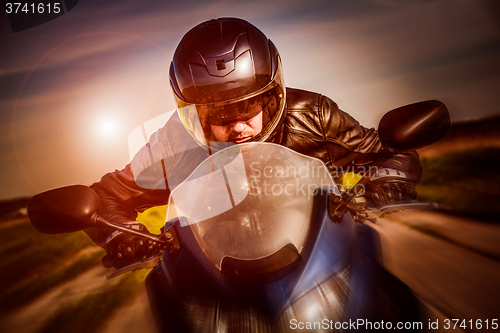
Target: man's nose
<point x="238" y="126"/>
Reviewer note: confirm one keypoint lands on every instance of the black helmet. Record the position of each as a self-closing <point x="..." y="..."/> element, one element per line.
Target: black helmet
<point x="226" y="71"/>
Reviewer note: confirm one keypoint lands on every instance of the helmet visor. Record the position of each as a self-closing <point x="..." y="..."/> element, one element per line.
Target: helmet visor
<point x="261" y="110"/>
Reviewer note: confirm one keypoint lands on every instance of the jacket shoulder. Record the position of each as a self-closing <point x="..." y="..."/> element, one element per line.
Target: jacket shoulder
<point x="298" y="99"/>
<point x="311" y="113"/>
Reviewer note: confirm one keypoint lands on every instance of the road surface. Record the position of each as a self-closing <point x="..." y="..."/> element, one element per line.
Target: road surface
<point x="451" y="262"/>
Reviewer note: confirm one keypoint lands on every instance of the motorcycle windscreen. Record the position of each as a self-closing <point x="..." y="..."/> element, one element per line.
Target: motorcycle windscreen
<point x="249" y="201"/>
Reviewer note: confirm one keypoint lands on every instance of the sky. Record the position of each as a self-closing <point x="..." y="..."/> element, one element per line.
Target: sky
<point x="72" y="90"/>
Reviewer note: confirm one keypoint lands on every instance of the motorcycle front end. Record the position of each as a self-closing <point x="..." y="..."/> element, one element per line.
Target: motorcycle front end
<point x="261" y="240"/>
<point x="262" y="251"/>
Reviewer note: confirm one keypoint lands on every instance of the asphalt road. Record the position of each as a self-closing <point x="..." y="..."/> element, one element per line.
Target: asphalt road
<point x="451" y="262"/>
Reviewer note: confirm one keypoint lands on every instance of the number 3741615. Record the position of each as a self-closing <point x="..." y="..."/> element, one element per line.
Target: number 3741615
<point x="472" y="324"/>
<point x="33" y="8"/>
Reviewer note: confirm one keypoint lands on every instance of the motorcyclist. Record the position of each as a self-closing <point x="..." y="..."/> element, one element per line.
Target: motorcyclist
<point x="228" y="84"/>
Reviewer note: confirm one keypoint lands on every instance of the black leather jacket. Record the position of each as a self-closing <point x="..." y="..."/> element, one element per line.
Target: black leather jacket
<point x="313" y="125"/>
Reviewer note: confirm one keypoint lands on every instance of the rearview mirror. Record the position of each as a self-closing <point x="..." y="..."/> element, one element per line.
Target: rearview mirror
<point x="414" y="126"/>
<point x="65" y="209"/>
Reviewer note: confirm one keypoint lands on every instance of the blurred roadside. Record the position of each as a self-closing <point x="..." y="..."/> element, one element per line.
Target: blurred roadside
<point x="55" y="283"/>
<point x="462" y="170"/>
<point x="13" y="209"/>
<point x="466" y="135"/>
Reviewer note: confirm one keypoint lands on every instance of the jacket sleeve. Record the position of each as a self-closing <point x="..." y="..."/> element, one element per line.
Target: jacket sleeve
<point x="121" y="200"/>
<point x="350" y="144"/>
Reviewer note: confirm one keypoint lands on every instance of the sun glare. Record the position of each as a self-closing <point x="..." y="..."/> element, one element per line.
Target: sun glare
<point x="107" y="127"/>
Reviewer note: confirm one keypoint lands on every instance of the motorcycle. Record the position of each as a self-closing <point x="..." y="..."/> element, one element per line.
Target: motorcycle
<point x="260" y="239"/>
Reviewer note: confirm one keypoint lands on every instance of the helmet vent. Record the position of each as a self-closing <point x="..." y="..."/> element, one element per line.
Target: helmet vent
<point x="220" y="64"/>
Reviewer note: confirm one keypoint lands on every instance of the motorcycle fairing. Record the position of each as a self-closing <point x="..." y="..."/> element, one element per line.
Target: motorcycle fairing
<point x="197" y="281"/>
<point x="252" y="202"/>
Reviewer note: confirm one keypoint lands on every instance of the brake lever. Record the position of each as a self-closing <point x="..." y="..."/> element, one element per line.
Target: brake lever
<point x="151" y="262"/>
<point x="373" y="214"/>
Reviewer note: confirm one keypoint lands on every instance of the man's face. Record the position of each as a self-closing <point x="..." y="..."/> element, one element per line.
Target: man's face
<point x="239" y="131"/>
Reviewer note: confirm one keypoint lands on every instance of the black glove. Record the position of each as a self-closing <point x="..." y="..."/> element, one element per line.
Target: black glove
<point x="389" y="187"/>
<point x="123" y="249"/>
